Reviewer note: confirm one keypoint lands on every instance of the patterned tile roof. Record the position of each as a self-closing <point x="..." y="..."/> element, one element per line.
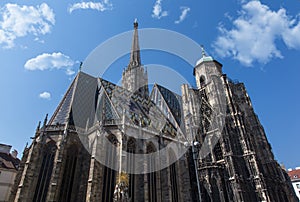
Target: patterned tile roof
<point x="88" y="96"/>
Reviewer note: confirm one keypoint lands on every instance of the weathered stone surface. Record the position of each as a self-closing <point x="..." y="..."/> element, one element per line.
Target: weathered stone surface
<point x="239" y="164"/>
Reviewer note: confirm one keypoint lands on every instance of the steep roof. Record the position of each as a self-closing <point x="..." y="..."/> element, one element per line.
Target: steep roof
<point x="90" y="99"/>
<point x="61" y="113"/>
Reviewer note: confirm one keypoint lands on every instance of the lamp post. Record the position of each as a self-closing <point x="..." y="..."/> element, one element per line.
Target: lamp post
<point x="195" y="149"/>
<point x="195" y="145"/>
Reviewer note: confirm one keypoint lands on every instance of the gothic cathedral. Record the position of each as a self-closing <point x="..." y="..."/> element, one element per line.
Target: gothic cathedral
<point x="110" y="143"/>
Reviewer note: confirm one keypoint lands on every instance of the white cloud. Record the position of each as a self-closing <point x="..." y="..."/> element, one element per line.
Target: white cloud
<point x="99" y="6"/>
<point x="158" y="11"/>
<point x="70" y="72"/>
<point x="19" y="21"/>
<point x="291" y="36"/>
<point x="45" y="95"/>
<point x="184" y="12"/>
<point x="255" y="32"/>
<point x="39" y="40"/>
<point x="50" y="61"/>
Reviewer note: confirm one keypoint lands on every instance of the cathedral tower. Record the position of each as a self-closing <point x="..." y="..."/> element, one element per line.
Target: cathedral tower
<point x="99" y="125"/>
<point x="134" y="77"/>
<point x="239" y="164"/>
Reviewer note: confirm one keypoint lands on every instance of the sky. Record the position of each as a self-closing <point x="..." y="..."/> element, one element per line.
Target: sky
<point x="43" y="42"/>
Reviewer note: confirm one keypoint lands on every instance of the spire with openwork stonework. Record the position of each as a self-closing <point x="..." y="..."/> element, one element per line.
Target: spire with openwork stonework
<point x="135" y="77"/>
<point x="135" y="56"/>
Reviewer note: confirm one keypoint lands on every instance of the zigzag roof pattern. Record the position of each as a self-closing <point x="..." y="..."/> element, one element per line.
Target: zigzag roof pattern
<point x="95" y="99"/>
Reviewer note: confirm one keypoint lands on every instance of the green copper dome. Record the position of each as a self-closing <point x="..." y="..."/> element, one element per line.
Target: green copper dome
<point x="204" y="57"/>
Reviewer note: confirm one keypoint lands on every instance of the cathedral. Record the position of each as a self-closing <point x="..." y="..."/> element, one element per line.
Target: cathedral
<point x="110" y="143"/>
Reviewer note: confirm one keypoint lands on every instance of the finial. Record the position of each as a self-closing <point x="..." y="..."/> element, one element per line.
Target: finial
<point x="80" y="66"/>
<point x="38" y="127"/>
<point x="135" y="24"/>
<point x="203" y="51"/>
<point x="45" y="120"/>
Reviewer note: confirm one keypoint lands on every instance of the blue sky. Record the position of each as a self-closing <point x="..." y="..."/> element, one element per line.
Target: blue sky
<point x="258" y="42"/>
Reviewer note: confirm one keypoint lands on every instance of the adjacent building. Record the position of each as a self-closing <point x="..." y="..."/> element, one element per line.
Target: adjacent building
<point x="9" y="164"/>
<point x="294" y="175"/>
<point x="97" y="119"/>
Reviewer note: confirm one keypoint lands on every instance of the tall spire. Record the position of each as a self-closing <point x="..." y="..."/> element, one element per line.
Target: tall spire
<point x="135" y="77"/>
<point x="135" y="57"/>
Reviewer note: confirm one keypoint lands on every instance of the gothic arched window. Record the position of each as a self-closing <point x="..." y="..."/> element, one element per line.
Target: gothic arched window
<point x="202" y="81"/>
<point x="152" y="195"/>
<point x="173" y="177"/>
<point x="68" y="184"/>
<point x="109" y="175"/>
<point x="131" y="146"/>
<point x="215" y="189"/>
<point x="218" y="151"/>
<point x="41" y="190"/>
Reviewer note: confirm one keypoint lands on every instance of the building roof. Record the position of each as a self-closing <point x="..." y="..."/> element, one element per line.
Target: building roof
<point x="204" y="57"/>
<point x="62" y="112"/>
<point x="88" y="96"/>
<point x="294" y="175"/>
<point x="7" y="161"/>
<point x="90" y="100"/>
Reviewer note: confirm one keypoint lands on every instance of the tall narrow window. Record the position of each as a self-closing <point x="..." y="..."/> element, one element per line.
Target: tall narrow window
<point x="202" y="81"/>
<point x="131" y="150"/>
<point x="109" y="175"/>
<point x="215" y="189"/>
<point x="69" y="174"/>
<point x="45" y="173"/>
<point x="173" y="178"/>
<point x="152" y="196"/>
<point x="218" y="152"/>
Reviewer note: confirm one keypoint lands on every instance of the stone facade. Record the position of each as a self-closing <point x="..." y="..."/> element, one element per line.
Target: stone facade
<point x="240" y="165"/>
<point x="72" y="158"/>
